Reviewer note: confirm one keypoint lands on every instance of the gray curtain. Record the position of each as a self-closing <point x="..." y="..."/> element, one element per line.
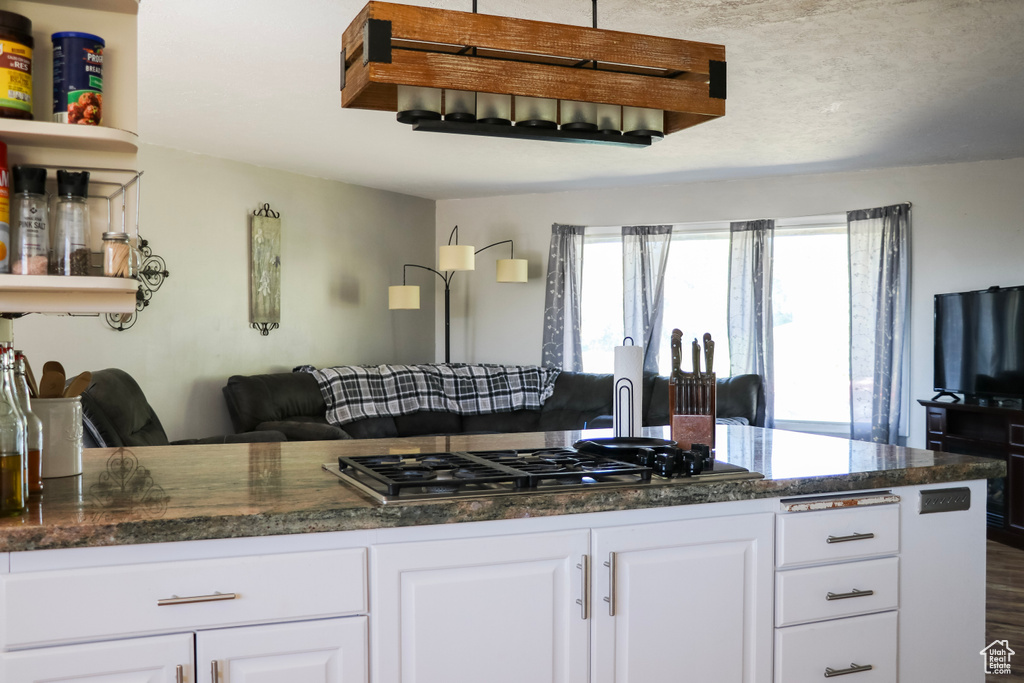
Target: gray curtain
<point x="644" y="257"/>
<point x="879" y="295"/>
<point x="562" y="342"/>
<point x="751" y="342"/>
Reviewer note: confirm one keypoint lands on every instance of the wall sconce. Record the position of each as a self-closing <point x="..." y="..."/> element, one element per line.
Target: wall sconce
<point x="451" y="259"/>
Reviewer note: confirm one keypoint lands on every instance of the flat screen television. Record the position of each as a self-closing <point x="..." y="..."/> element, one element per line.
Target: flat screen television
<point x="979" y="343"/>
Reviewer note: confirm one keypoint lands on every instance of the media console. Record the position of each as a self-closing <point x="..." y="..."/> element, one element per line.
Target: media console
<point x="992" y="432"/>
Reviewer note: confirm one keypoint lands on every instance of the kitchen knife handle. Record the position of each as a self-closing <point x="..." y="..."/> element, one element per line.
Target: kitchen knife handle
<point x="696" y="358"/>
<point x="709" y="353"/>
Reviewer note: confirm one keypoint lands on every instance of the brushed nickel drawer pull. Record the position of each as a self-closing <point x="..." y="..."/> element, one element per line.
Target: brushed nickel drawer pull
<point x="179" y="674"/>
<point x="215" y="671"/>
<point x="175" y="600"/>
<point x="584" y="599"/>
<point x="851" y="537"/>
<point x="854" y="669"/>
<point x="852" y="594"/>
<point x="611" y="584"/>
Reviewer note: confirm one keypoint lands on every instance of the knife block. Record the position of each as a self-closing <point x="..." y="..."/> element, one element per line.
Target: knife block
<point x="690" y="429"/>
<point x="694" y="394"/>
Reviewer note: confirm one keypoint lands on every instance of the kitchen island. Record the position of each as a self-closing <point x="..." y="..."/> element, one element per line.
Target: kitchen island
<point x="179" y="561"/>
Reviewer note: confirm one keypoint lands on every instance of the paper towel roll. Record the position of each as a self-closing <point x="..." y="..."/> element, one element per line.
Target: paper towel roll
<point x="628" y="400"/>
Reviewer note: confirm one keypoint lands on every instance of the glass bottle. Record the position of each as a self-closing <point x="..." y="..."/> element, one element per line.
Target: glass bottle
<point x="30" y="222"/>
<point x="33" y="426"/>
<point x="12" y="448"/>
<point x="71" y="225"/>
<point x="7" y="385"/>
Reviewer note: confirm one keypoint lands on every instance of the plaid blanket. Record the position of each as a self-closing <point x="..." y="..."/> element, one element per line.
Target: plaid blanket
<point x="355" y="392"/>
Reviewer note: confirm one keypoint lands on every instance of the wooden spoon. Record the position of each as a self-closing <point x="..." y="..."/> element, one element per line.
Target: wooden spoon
<point x="78" y="385"/>
<point x="54" y="366"/>
<point x="51" y="385"/>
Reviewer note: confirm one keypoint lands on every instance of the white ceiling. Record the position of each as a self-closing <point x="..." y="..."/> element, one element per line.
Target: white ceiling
<point x="814" y="86"/>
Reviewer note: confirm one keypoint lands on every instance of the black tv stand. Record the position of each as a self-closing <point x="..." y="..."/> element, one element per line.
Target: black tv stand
<point x="956" y="399"/>
<point x="993" y="432"/>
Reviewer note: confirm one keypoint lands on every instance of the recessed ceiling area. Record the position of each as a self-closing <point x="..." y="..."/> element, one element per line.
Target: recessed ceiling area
<point x="813" y="86"/>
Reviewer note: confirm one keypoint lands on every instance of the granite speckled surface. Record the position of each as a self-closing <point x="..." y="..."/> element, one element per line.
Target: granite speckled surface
<point x="181" y="493"/>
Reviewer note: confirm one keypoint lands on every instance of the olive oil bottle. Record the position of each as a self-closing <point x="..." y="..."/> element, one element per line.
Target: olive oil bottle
<point x="12" y="446"/>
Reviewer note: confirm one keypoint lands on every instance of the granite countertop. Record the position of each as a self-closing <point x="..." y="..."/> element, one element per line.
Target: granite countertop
<point x="182" y="493"/>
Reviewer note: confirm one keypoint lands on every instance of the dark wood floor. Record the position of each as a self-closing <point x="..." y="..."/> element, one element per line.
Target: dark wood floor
<point x="1004" y="614"/>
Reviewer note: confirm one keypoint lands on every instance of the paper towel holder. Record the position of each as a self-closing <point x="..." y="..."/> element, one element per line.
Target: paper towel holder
<point x="623" y="407"/>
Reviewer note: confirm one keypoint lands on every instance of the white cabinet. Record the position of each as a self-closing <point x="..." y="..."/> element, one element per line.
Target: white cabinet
<point x="324" y="651"/>
<point x="139" y="660"/>
<point x="500" y="609"/>
<point x="162" y="597"/>
<point x="824" y="613"/>
<point x="691" y="596"/>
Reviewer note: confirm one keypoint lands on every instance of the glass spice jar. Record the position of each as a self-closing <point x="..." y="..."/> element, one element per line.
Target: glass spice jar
<point x="119" y="259"/>
<point x="71" y="225"/>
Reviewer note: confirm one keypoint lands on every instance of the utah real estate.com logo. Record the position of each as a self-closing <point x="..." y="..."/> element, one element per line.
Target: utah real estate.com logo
<point x="997" y="657"/>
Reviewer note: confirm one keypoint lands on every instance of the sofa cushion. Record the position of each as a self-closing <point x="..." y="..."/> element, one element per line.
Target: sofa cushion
<point x="372" y="428"/>
<point x="274" y="397"/>
<point x="305" y="430"/>
<point x="499" y="423"/>
<point x="427" y="422"/>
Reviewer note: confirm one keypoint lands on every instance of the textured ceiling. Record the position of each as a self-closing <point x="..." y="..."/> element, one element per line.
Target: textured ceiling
<point x="814" y="86"/>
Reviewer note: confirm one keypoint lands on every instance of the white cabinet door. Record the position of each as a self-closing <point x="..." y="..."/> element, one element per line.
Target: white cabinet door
<point x="139" y="660"/>
<point x="324" y="651"/>
<point x="692" y="600"/>
<point x="500" y="609"/>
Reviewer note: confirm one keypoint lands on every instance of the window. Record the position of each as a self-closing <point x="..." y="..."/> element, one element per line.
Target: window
<point x="810" y="298"/>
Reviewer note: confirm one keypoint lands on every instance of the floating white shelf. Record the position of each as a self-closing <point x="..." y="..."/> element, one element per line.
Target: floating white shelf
<point x="66" y="294"/>
<point x="68" y="136"/>
<point x="119" y="6"/>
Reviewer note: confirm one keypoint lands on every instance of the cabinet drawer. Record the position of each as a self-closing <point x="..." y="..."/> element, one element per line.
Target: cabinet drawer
<point x="830" y="535"/>
<point x="42" y="608"/>
<point x="804" y="653"/>
<point x="836" y="590"/>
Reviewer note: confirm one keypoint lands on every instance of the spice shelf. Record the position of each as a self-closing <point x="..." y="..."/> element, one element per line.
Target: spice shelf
<point x="68" y="137"/>
<point x="66" y="294"/>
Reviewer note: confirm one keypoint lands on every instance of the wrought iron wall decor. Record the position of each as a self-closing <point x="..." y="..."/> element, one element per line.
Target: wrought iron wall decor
<point x="265" y="271"/>
<point x="151" y="277"/>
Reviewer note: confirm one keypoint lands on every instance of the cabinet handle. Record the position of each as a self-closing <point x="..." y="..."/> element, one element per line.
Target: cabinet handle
<point x="854" y="669"/>
<point x="179" y="674"/>
<point x="175" y="600"/>
<point x="215" y="671"/>
<point x="852" y="594"/>
<point x="611" y="584"/>
<point x="584" y="599"/>
<point x="851" y="537"/>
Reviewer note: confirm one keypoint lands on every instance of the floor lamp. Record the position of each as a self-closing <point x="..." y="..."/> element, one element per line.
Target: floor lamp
<point x="453" y="258"/>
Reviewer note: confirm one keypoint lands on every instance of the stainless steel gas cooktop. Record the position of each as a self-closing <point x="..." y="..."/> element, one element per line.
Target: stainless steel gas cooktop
<point x="467" y="474"/>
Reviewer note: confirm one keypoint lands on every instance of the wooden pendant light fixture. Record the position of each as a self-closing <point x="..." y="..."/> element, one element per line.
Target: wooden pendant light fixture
<point x="461" y="72"/>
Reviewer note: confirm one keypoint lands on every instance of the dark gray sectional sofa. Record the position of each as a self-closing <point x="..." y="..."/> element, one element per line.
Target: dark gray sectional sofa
<point x="291" y="403"/>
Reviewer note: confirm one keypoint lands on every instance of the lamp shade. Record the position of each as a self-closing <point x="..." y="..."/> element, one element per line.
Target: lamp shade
<point x="403" y="297"/>
<point x="512" y="270"/>
<point x="456" y="257"/>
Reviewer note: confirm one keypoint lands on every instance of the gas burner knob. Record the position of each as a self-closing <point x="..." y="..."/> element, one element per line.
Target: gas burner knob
<point x="645" y="457"/>
<point x="666" y="464"/>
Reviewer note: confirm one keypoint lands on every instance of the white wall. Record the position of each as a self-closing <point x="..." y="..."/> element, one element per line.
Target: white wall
<point x="341" y="246"/>
<point x="967" y="233"/>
